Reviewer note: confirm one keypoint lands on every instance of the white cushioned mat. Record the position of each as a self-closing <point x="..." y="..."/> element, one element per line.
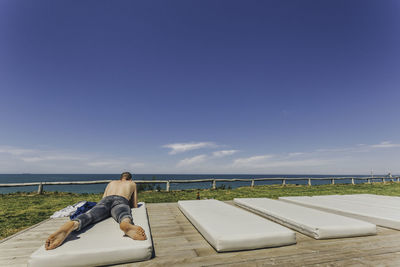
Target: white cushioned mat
<point x="101" y="244"/>
<point x="379" y="215"/>
<point x="315" y="223"/>
<point x="369" y="200"/>
<point x="228" y="228"/>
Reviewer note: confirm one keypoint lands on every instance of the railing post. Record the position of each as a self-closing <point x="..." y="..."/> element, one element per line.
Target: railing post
<point x="252" y="182"/>
<point x="283" y="182"/>
<point x="352" y="181"/>
<point x="40" y="189"/>
<point x="214" y="184"/>
<point x="309" y="181"/>
<point x="333" y="181"/>
<point x="167" y="187"/>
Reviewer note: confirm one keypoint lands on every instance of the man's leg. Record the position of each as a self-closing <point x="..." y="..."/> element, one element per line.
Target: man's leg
<point x="96" y="214"/>
<point x="122" y="214"/>
<point x="56" y="238"/>
<point x="133" y="231"/>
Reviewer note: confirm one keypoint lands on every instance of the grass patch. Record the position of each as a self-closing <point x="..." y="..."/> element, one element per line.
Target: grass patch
<point x="21" y="210"/>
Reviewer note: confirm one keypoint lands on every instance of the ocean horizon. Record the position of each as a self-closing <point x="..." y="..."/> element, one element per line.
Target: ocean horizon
<point x="98" y="188"/>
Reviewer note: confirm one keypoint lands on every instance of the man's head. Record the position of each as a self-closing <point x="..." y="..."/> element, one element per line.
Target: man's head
<point x="126" y="176"/>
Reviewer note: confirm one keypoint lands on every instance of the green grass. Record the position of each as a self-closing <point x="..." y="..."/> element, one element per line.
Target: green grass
<point x="21" y="210"/>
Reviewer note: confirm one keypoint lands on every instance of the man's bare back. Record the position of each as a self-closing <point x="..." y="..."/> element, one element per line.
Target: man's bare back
<point x="124" y="188"/>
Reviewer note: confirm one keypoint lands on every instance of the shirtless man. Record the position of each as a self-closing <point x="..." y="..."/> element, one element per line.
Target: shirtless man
<point x="118" y="199"/>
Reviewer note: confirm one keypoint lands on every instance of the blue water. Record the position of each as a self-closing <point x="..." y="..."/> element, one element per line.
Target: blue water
<point x="98" y="188"/>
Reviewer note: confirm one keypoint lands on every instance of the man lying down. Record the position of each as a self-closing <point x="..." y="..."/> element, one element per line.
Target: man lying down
<point x="118" y="199"/>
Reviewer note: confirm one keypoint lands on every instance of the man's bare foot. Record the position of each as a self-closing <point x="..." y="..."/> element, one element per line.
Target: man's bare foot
<point x="56" y="239"/>
<point x="133" y="231"/>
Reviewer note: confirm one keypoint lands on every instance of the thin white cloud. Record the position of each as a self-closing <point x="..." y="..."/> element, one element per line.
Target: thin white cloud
<point x="137" y="165"/>
<point x="120" y="164"/>
<point x="183" y="147"/>
<point x="296" y="163"/>
<point x="385" y="144"/>
<point x="254" y="160"/>
<point x="192" y="160"/>
<point x="272" y="162"/>
<point x="51" y="158"/>
<point x="103" y="163"/>
<point x="36" y="155"/>
<point x="295" y="154"/>
<point x="223" y="153"/>
<point x="360" y="147"/>
<point x="16" y="151"/>
<point x="17" y="159"/>
<point x="342" y="149"/>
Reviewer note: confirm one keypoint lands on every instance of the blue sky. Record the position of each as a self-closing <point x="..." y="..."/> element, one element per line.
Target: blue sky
<point x="200" y="86"/>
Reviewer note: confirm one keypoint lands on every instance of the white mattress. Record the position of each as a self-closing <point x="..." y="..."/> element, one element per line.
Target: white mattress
<point x="102" y="244"/>
<point x="383" y="216"/>
<point x="311" y="222"/>
<point x="395" y="198"/>
<point x="382" y="197"/>
<point x="370" y="200"/>
<point x="228" y="228"/>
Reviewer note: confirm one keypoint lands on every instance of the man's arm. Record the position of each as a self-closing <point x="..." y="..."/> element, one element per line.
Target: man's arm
<point x="134" y="196"/>
<point x="105" y="191"/>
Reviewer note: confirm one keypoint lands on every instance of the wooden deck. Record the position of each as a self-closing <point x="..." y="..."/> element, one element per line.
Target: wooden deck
<point x="177" y="243"/>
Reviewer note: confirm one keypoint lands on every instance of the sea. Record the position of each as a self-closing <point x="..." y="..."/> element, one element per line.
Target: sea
<point x="98" y="188"/>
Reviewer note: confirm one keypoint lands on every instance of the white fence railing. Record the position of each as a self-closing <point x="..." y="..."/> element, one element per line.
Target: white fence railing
<point x="213" y="182"/>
